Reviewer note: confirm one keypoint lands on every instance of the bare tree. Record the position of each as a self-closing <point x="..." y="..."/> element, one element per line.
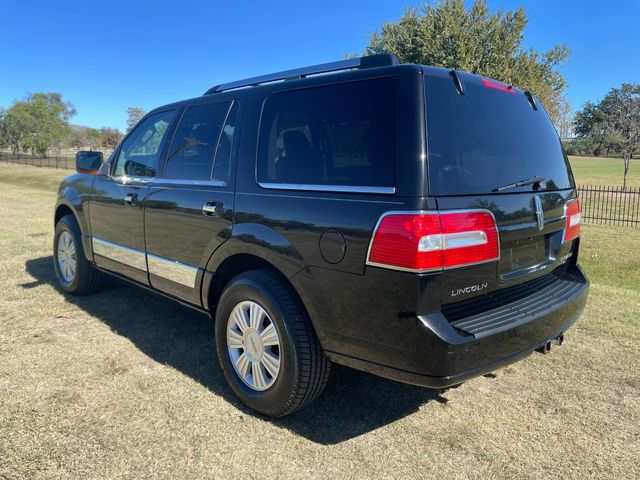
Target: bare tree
<point x="110" y="137"/>
<point x="563" y="120"/>
<point x="134" y="115"/>
<point x="623" y="121"/>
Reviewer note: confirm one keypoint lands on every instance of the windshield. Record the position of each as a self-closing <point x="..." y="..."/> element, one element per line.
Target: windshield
<point x="488" y="138"/>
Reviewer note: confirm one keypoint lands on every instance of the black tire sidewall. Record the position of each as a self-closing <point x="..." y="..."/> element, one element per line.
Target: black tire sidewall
<point x="67" y="224"/>
<point x="274" y="400"/>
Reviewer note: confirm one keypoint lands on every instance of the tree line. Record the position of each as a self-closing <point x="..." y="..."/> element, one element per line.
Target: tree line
<point x="445" y="34"/>
<point x="448" y="34"/>
<point x="39" y="123"/>
<point x="610" y="125"/>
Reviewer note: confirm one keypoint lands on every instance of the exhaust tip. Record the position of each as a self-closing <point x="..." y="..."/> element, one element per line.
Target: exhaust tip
<point x="560" y="339"/>
<point x="544" y="349"/>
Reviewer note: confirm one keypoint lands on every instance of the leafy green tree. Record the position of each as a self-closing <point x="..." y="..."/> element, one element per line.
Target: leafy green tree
<point x="4" y="139"/>
<point x="590" y="124"/>
<point x="17" y="124"/>
<point x="38" y="122"/>
<point x="134" y="115"/>
<point x="447" y="34"/>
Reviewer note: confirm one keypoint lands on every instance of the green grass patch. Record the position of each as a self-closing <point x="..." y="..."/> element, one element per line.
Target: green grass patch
<point x="604" y="171"/>
<point x="40" y="178"/>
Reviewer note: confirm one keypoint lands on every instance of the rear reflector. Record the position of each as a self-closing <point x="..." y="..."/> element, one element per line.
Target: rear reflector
<point x="428" y="241"/>
<point x="574" y="219"/>
<point x="494" y="84"/>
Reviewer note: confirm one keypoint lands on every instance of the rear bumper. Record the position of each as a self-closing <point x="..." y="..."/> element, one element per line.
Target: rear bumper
<point x="444" y="355"/>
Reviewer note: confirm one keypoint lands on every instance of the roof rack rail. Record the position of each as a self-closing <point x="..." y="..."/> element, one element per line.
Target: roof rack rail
<point x="379" y="60"/>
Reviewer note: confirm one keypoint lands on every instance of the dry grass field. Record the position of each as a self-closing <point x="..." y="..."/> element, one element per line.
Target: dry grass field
<point x="125" y="384"/>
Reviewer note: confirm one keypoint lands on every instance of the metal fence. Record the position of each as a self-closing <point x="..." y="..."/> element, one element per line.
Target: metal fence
<point x="610" y="205"/>
<point x="66" y="162"/>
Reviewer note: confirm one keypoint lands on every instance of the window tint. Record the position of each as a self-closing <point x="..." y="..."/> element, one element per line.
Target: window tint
<point x="221" y="167"/>
<point x="333" y="135"/>
<point x="194" y="143"/>
<point x="138" y="156"/>
<point x="488" y="138"/>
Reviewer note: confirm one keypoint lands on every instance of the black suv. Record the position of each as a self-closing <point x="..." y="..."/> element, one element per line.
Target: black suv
<point x="418" y="223"/>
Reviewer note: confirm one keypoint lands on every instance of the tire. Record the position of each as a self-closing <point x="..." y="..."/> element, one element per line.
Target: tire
<point x="303" y="366"/>
<point x="84" y="279"/>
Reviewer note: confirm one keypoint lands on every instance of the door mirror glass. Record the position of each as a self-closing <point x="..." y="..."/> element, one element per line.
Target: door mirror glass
<point x="88" y="162"/>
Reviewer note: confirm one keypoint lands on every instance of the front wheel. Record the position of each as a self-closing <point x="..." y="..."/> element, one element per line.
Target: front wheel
<point x="75" y="274"/>
<point x="266" y="345"/>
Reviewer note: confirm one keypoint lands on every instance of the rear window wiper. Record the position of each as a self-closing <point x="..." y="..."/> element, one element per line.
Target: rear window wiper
<point x="537" y="180"/>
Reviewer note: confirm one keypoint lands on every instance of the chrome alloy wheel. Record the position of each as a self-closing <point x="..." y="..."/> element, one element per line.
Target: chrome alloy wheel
<point x="66" y="257"/>
<point x="254" y="345"/>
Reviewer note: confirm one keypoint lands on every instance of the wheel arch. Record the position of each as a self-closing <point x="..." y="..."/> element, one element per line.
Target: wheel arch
<point x="252" y="246"/>
<point x="232" y="266"/>
<point x="70" y="203"/>
<point x="62" y="210"/>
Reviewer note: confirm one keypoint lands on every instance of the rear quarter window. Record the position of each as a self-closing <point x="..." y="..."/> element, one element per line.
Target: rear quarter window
<point x="341" y="134"/>
<point x="487" y="138"/>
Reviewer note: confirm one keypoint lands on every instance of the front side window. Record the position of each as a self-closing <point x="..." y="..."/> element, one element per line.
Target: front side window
<point x="138" y="156"/>
<point x="332" y="135"/>
<point x="194" y="144"/>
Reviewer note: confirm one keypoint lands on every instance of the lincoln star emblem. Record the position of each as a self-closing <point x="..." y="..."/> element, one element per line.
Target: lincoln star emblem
<point x="539" y="212"/>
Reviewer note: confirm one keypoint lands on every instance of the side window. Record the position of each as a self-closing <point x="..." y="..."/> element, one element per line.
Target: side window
<point x="332" y="135"/>
<point x="194" y="143"/>
<point x="138" y="156"/>
<point x="222" y="165"/>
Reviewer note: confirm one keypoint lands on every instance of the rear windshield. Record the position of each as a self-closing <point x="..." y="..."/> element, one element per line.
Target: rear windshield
<point x="488" y="138"/>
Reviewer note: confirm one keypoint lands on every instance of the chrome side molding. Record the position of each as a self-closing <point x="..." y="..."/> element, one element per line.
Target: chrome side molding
<point x="328" y="188"/>
<point x="125" y="180"/>
<point x="119" y="253"/>
<point x="172" y="270"/>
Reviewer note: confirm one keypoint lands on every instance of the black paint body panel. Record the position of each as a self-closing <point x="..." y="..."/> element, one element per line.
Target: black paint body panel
<point x="384" y="321"/>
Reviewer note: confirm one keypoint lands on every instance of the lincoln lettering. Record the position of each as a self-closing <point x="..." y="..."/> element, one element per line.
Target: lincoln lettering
<point x="469" y="289"/>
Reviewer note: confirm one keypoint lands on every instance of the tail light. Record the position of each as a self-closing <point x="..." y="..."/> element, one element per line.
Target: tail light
<point x="428" y="241"/>
<point x="574" y="219"/>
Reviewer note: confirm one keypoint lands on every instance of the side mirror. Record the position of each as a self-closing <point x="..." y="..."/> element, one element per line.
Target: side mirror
<point x="88" y="162"/>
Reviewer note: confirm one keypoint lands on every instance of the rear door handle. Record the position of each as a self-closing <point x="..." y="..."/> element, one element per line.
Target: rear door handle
<point x="131" y="199"/>
<point x="210" y="209"/>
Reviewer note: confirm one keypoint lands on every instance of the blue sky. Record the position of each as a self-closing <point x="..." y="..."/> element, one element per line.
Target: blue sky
<point x="107" y="56"/>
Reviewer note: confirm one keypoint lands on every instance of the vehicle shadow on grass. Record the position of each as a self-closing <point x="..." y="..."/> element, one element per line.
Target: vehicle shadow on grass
<point x="353" y="403"/>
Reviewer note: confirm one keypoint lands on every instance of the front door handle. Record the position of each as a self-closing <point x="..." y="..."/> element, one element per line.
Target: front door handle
<point x="210" y="209"/>
<point x="131" y="199"/>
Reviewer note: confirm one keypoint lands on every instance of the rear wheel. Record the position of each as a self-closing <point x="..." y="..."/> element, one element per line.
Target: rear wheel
<point x="266" y="345"/>
<point x="75" y="274"/>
